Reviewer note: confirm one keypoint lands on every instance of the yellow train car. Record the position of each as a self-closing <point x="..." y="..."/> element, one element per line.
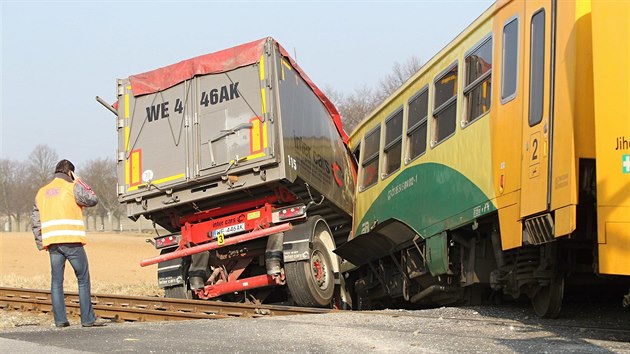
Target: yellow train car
<point x="503" y="163"/>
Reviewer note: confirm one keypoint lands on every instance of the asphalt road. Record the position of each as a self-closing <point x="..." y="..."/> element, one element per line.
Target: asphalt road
<point x="444" y="330"/>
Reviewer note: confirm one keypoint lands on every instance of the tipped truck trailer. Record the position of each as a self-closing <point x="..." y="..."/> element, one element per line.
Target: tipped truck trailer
<point x="243" y="160"/>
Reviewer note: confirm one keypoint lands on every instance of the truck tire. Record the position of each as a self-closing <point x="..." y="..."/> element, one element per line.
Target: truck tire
<point x="177" y="292"/>
<point x="311" y="281"/>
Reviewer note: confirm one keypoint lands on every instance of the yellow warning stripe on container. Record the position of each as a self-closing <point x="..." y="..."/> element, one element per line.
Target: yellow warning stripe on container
<point x="159" y="181"/>
<point x="264" y="132"/>
<point x="262" y="79"/>
<point x="247" y="158"/>
<point x="262" y="67"/>
<point x="127" y="102"/>
<point x="255" y="141"/>
<point x="264" y="102"/>
<point x="284" y="64"/>
<point x="126" y="147"/>
<point x="255" y="156"/>
<point x="257" y="138"/>
<point x="127" y="117"/>
<point x="135" y="166"/>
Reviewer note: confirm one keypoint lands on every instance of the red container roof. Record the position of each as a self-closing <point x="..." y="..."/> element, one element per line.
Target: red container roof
<point x="218" y="62"/>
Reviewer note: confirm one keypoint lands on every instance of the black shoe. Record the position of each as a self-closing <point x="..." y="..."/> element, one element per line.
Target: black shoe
<point x="61" y="325"/>
<point x="98" y="323"/>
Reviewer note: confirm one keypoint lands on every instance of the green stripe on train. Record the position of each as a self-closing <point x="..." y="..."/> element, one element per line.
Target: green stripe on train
<point x="430" y="198"/>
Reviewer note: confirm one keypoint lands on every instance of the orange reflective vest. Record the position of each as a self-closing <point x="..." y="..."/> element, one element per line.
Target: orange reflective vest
<point x="60" y="215"/>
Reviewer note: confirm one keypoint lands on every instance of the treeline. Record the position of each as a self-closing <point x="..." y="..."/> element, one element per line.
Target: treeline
<point x="20" y="180"/>
<point x="355" y="106"/>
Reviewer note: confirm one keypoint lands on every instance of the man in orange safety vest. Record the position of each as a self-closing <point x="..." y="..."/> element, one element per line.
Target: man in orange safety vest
<point x="58" y="228"/>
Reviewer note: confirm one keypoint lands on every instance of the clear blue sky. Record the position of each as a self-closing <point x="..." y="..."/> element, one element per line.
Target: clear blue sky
<point x="57" y="56"/>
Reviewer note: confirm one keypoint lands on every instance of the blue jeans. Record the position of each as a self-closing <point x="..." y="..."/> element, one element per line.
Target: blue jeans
<point x="74" y="253"/>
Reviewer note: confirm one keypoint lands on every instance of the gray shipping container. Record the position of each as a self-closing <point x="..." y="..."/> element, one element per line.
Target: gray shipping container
<point x="228" y="127"/>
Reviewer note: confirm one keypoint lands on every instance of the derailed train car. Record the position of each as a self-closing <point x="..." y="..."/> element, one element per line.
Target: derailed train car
<point x="243" y="159"/>
<point x="503" y="164"/>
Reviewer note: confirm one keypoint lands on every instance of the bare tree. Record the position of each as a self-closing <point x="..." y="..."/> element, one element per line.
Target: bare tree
<point x="41" y="165"/>
<point x="400" y="73"/>
<point x="17" y="194"/>
<point x="19" y="182"/>
<point x="100" y="174"/>
<point x="25" y="192"/>
<point x="8" y="179"/>
<point x="356" y="106"/>
<point x="28" y="178"/>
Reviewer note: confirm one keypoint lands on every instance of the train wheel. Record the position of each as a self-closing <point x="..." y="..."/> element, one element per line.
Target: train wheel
<point x="547" y="301"/>
<point x="311" y="281"/>
<point x="177" y="292"/>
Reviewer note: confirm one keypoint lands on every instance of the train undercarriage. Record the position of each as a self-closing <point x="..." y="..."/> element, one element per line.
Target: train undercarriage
<point x="477" y="270"/>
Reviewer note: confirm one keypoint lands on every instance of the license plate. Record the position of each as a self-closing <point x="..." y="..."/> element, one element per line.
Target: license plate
<point x="232" y="229"/>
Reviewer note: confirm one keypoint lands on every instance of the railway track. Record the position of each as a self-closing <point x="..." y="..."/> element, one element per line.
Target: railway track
<point x="121" y="308"/>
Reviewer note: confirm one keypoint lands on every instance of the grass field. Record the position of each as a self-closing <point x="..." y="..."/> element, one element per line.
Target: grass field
<point x="114" y="268"/>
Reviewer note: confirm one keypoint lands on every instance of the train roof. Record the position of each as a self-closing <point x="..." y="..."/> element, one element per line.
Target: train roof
<point x="219" y="62"/>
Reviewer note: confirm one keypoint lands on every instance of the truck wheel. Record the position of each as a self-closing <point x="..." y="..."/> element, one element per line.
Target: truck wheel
<point x="310" y="281"/>
<point x="177" y="292"/>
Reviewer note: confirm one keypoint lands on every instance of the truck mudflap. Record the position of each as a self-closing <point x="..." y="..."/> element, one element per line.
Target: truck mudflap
<point x="296" y="243"/>
<point x="170" y="273"/>
<point x="384" y="239"/>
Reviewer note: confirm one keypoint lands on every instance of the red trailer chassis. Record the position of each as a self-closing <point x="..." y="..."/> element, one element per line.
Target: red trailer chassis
<point x="200" y="235"/>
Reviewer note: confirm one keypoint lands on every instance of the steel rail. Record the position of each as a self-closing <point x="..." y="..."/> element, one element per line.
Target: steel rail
<point x="145" y="308"/>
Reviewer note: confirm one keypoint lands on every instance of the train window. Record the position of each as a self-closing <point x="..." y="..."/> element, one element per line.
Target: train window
<point x="537" y="68"/>
<point x="445" y="101"/>
<point x="509" y="63"/>
<point x="357" y="153"/>
<point x="417" y="124"/>
<point x="393" y="143"/>
<point x="477" y="92"/>
<point x="369" y="166"/>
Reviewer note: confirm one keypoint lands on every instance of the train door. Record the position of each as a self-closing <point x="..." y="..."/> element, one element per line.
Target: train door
<point x="507" y="106"/>
<point x="537" y="120"/>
